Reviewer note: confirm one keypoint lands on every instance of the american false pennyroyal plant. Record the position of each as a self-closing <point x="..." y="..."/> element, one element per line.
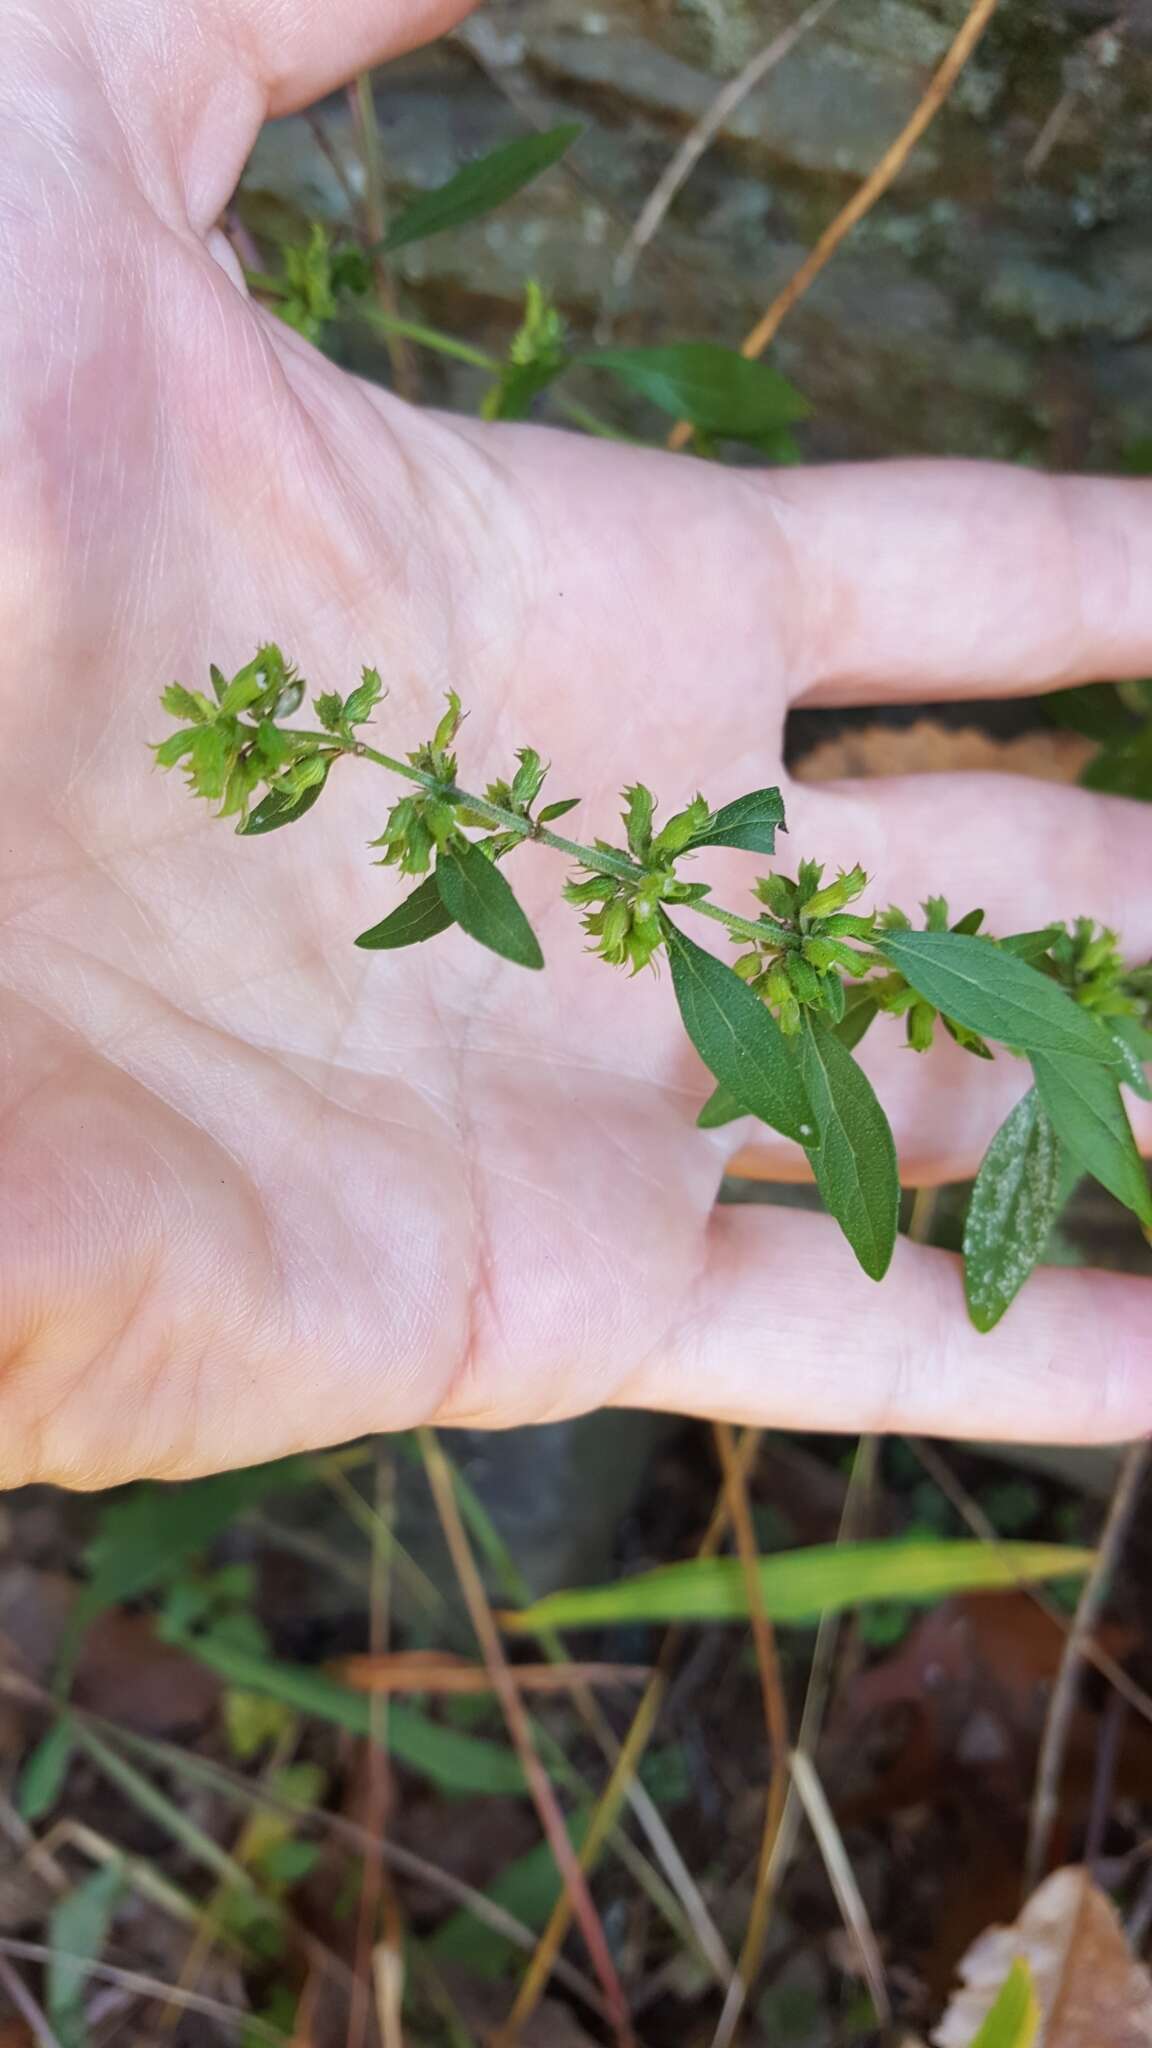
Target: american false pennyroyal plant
<point x="777" y="1028"/>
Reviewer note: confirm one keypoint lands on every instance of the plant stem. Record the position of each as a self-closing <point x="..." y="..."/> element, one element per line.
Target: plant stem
<point x="600" y="860"/>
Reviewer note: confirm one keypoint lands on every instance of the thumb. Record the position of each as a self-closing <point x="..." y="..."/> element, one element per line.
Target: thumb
<point x="189" y="82"/>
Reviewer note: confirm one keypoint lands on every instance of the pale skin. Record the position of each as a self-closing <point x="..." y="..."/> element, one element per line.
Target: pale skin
<point x="259" y="1191"/>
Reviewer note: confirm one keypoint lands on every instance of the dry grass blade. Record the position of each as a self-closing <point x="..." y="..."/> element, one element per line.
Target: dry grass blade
<point x="875" y="185"/>
<point x="539" y="1784"/>
<point x="18" y="1994"/>
<point x="376" y="1889"/>
<point x="388" y="1986"/>
<point x="852" y="1519"/>
<point x="628" y="1762"/>
<point x="1064" y="1694"/>
<point x="842" y="1879"/>
<point x="363" y="105"/>
<point x="229" y="2016"/>
<point x="704" y="132"/>
<point x="776" y="1724"/>
<point x="442" y="1671"/>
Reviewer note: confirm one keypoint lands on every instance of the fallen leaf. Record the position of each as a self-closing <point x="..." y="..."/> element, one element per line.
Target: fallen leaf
<point x="1091" y="1990"/>
<point x="959" y="1708"/>
<point x="443" y="1671"/>
<point x="127" y="1674"/>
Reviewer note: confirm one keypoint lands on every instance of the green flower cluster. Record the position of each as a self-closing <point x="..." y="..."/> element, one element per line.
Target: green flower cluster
<point x="800" y="962"/>
<point x="622" y="914"/>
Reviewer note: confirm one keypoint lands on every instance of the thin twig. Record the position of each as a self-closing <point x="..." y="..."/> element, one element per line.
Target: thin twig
<point x="1104" y="1778"/>
<point x="375" y="210"/>
<point x="875" y="185"/>
<point x="704" y="132"/>
<point x="539" y="1784"/>
<point x="842" y="1879"/>
<point x="1065" y="1692"/>
<point x="32" y="2015"/>
<point x="776" y="1724"/>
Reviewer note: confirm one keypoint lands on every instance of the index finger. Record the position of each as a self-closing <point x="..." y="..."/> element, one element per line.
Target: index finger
<point x="959" y="579"/>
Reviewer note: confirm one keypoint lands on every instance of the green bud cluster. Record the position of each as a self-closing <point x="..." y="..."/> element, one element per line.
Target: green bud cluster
<point x="622" y="912"/>
<point x="799" y="963"/>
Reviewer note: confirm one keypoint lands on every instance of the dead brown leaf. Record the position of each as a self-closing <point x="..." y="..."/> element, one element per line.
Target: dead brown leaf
<point x="1091" y="1990"/>
<point x="929" y="747"/>
<point x="958" y="1709"/>
<point x="442" y="1671"/>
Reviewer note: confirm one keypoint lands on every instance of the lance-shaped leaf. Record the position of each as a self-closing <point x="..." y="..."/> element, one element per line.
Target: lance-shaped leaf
<point x="720" y="1108"/>
<point x="475" y="893"/>
<point x="751" y="822"/>
<point x="860" y="1011"/>
<point x="1087" y="1110"/>
<point x="1135" y="1047"/>
<point x="995" y="994"/>
<point x="275" y="810"/>
<point x="716" y="388"/>
<point x="1015" y="1201"/>
<point x="421" y="916"/>
<point x="855" y="1165"/>
<point x="480" y="187"/>
<point x="738" y="1039"/>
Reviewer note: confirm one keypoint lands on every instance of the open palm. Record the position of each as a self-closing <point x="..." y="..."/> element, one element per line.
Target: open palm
<point x="259" y="1190"/>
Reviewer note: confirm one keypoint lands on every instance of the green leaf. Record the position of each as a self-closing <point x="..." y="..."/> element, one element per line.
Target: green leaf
<point x="860" y="1011"/>
<point x="276" y="810"/>
<point x="1014" y="1203"/>
<point x="799" y="1586"/>
<point x="1124" y="769"/>
<point x="716" y="388"/>
<point x="1135" y="1047"/>
<point x="1031" y="946"/>
<point x="480" y="187"/>
<point x="1094" y="709"/>
<point x="150" y="1532"/>
<point x="738" y="1039"/>
<point x="454" y="1761"/>
<point x="421" y="916"/>
<point x="475" y="893"/>
<point x="528" y="1888"/>
<point x="1014" y="2020"/>
<point x="751" y="822"/>
<point x="77" y="1930"/>
<point x="992" y="992"/>
<point x="720" y="1108"/>
<point x="559" y="809"/>
<point x="1087" y="1109"/>
<point x="42" y="1777"/>
<point x="855" y="1165"/>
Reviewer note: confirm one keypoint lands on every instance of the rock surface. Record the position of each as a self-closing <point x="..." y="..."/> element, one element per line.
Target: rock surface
<point x="998" y="301"/>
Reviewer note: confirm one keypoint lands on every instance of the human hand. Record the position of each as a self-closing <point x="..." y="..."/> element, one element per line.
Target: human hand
<point x="259" y="1191"/>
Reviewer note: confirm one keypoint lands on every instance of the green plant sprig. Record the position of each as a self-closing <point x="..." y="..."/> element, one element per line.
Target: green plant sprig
<point x="778" y="1028"/>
